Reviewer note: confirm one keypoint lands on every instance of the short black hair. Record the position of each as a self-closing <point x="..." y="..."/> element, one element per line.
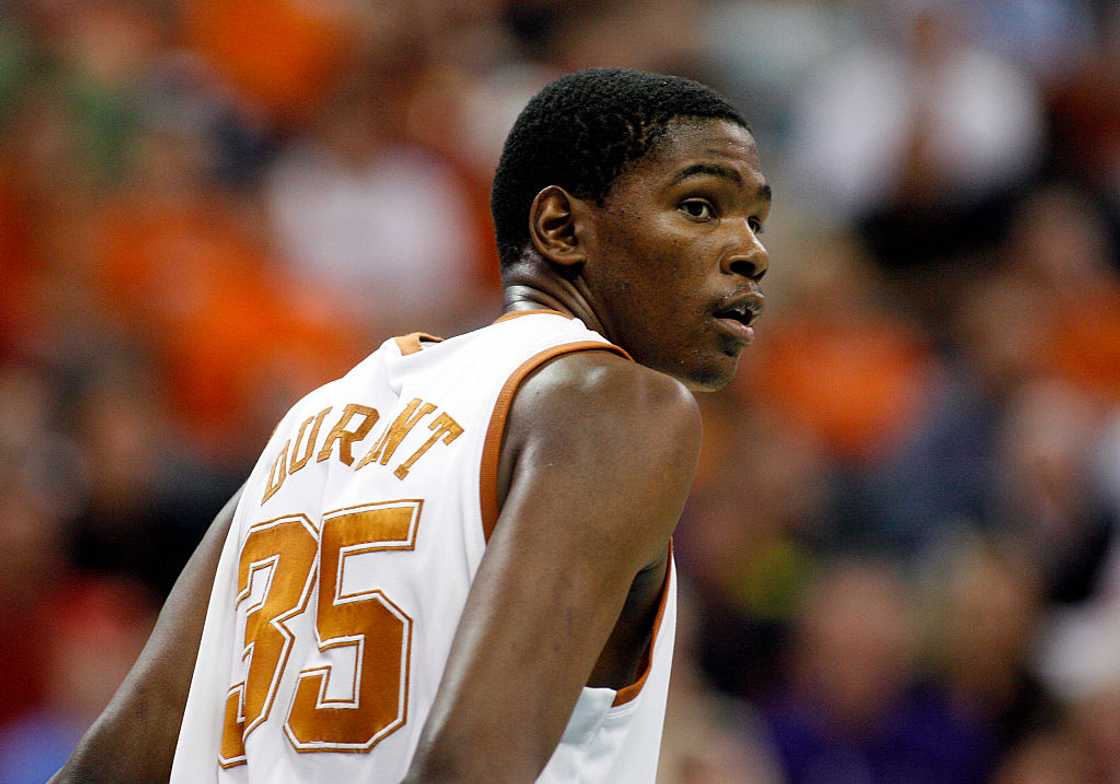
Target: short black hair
<point x="581" y="132"/>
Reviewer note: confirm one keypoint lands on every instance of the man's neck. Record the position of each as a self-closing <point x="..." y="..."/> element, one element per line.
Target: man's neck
<point x="527" y="289"/>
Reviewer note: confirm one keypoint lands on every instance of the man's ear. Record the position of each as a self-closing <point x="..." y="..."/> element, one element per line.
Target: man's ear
<point x="558" y="226"/>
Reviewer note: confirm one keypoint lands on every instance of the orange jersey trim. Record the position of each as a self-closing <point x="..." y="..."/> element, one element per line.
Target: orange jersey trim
<point x="492" y="446"/>
<point x="410" y="343"/>
<point x="488" y="479"/>
<point x="519" y="313"/>
<point x="628" y="693"/>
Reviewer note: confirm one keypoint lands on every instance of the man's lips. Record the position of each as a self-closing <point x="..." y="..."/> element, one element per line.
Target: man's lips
<point x="736" y="314"/>
<point x="740" y="331"/>
<point x="744" y="307"/>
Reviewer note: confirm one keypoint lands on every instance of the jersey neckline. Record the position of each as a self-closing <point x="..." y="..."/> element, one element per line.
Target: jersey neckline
<point x="535" y="311"/>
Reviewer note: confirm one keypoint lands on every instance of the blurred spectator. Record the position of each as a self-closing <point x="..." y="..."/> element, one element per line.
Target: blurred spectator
<point x="767" y="47"/>
<point x="1048" y="496"/>
<point x="708" y="738"/>
<point x="983" y="666"/>
<point x="103" y="51"/>
<point x="851" y="713"/>
<point x="626" y="33"/>
<point x="933" y="119"/>
<point x="1059" y="245"/>
<point x="116" y="530"/>
<point x="145" y="499"/>
<point x="747" y="541"/>
<point x="281" y="56"/>
<point x="840" y="364"/>
<point x="940" y="475"/>
<point x="1054" y="503"/>
<point x="186" y="268"/>
<point x="382" y="226"/>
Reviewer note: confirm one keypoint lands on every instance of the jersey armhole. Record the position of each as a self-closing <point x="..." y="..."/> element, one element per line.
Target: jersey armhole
<point x="629" y="693"/>
<point x="488" y="490"/>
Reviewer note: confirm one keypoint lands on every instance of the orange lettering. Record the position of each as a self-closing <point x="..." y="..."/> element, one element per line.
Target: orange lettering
<point x="346" y="438"/>
<point x="388" y="441"/>
<point x="446" y="428"/>
<point x="299" y="462"/>
<point x="278" y="473"/>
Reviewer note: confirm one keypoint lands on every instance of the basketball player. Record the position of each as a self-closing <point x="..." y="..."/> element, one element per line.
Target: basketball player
<point x="454" y="563"/>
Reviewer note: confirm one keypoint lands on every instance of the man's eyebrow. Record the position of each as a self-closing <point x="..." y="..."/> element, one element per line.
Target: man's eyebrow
<point x="712" y="169"/>
<point x="725" y="172"/>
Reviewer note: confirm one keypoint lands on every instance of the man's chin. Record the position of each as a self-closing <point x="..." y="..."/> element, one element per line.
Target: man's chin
<point x="713" y="376"/>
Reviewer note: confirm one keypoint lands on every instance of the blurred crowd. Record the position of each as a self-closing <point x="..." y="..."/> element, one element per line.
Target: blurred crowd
<point x="901" y="561"/>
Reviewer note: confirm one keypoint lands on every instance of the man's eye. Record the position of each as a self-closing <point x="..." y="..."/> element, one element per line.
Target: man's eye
<point x="698" y="209"/>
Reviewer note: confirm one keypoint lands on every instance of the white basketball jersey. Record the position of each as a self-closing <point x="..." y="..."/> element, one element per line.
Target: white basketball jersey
<point x="348" y="565"/>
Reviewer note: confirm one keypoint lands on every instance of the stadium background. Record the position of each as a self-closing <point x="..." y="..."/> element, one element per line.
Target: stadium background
<point x="901" y="553"/>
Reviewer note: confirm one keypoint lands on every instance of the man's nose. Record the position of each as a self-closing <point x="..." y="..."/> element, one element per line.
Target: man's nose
<point x="750" y="258"/>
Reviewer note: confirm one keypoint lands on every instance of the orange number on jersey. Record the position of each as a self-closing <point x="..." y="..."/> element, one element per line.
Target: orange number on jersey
<point x="379" y="632"/>
<point x="276" y="569"/>
<point x="274" y="573"/>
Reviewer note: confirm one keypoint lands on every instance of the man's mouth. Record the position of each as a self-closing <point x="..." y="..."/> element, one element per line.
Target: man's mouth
<point x="741" y="313"/>
<point x="737" y="315"/>
<point x="743" y="306"/>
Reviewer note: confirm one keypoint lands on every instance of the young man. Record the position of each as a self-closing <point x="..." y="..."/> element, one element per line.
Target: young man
<point x="454" y="563"/>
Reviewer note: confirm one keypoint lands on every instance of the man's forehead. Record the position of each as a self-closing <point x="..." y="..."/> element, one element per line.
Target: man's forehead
<point x="688" y="142"/>
<point x="722" y="135"/>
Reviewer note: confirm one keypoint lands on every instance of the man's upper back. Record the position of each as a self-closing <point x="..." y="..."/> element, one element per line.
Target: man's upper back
<point x="351" y="557"/>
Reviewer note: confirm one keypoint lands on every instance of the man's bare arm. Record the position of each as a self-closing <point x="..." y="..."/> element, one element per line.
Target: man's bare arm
<point x="133" y="740"/>
<point x="602" y="454"/>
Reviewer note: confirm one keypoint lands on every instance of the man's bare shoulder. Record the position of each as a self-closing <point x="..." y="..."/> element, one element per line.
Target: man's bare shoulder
<point x="596" y="425"/>
<point x="590" y="385"/>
